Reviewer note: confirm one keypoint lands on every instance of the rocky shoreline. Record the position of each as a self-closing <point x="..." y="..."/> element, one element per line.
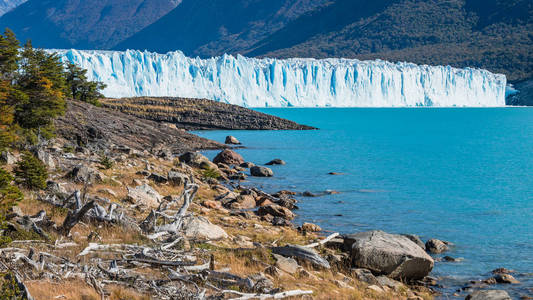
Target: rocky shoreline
<point x="157" y="220"/>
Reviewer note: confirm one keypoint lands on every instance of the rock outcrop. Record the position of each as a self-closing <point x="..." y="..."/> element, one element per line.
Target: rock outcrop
<point x="200" y="114"/>
<point x="390" y="254"/>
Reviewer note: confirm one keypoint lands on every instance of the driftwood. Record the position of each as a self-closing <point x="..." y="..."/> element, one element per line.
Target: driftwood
<point x="74" y="217"/>
<point x="148" y="225"/>
<point x="322" y="242"/>
<point x="245" y="296"/>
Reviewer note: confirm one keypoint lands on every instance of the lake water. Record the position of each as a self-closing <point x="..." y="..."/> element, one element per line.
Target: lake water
<point x="463" y="174"/>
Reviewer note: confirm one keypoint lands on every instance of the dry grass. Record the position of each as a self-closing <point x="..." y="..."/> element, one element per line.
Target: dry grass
<point x="77" y="290"/>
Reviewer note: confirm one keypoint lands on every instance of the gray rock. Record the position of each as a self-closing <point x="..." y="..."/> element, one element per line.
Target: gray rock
<point x="247" y="165"/>
<point x="258" y="171"/>
<point x="416" y="239"/>
<point x="82" y="173"/>
<point x="144" y="195"/>
<point x="176" y="178"/>
<point x="365" y="275"/>
<point x="46" y="158"/>
<point x="302" y="253"/>
<point x="231" y="140"/>
<point x="276" y="211"/>
<point x="489" y="295"/>
<point x="56" y="189"/>
<point x="157" y="178"/>
<point x="228" y="157"/>
<point x="261" y="284"/>
<point x="201" y="228"/>
<point x="276" y="161"/>
<point x="193" y="159"/>
<point x="8" y="158"/>
<point x="390" y="254"/>
<point x="286" y="264"/>
<point x="385" y="281"/>
<point x="273" y="271"/>
<point x="505" y="278"/>
<point x="436" y="246"/>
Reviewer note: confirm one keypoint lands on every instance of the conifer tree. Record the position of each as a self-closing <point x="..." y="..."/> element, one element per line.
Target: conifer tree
<point x="80" y="87"/>
<point x="30" y="172"/>
<point x="9" y="196"/>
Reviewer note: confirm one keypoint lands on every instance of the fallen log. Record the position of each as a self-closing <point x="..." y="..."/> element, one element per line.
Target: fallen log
<point x="281" y="295"/>
<point x="322" y="242"/>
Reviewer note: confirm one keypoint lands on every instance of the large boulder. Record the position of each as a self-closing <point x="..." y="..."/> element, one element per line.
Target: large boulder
<point x="228" y="157"/>
<point x="231" y="140"/>
<point x="389" y="254"/>
<point x="258" y="171"/>
<point x="489" y="295"/>
<point x="416" y="239"/>
<point x="144" y="195"/>
<point x="276" y="211"/>
<point x="201" y="228"/>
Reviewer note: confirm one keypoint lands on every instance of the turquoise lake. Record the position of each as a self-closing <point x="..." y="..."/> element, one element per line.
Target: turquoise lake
<point x="463" y="175"/>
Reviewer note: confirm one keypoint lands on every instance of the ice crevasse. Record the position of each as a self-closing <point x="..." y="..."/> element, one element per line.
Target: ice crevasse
<point x="296" y="82"/>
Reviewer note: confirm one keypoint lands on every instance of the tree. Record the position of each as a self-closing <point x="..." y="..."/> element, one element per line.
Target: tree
<point x="9" y="196"/>
<point x="30" y="172"/>
<point x="34" y="86"/>
<point x="9" y="55"/>
<point x="80" y="87"/>
<point x="43" y="82"/>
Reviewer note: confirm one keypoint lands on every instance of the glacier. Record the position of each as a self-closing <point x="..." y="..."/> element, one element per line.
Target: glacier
<point x="296" y="82"/>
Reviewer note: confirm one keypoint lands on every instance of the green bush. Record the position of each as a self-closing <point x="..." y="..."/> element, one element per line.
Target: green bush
<point x="30" y="172"/>
<point x="9" y="196"/>
<point x="9" y="289"/>
<point x="106" y="162"/>
<point x="211" y="173"/>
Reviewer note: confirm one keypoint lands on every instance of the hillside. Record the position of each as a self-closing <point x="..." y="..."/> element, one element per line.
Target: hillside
<point x="210" y="28"/>
<point x="495" y="34"/>
<point x="83" y="24"/>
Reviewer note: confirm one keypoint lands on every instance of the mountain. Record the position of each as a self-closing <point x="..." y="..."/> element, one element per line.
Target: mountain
<point x="492" y="34"/>
<point x="8" y="5"/>
<point x="209" y="28"/>
<point x="83" y="24"/>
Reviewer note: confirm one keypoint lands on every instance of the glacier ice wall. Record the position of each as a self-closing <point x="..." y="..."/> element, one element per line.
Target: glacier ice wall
<point x="292" y="82"/>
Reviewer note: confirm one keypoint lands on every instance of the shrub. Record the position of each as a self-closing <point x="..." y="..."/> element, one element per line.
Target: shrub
<point x="9" y="289"/>
<point x="9" y="196"/>
<point x="211" y="173"/>
<point x="30" y="172"/>
<point x="106" y="162"/>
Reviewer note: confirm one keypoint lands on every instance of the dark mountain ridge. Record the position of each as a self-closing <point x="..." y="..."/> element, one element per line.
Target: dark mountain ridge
<point x="83" y="24"/>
